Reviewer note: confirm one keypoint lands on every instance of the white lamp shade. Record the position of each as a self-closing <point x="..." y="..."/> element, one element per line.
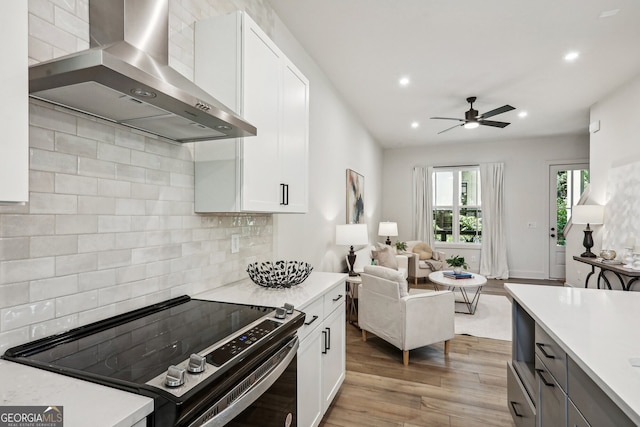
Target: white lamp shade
<point x="352" y="234"/>
<point x="388" y="229"/>
<point x="587" y="214"/>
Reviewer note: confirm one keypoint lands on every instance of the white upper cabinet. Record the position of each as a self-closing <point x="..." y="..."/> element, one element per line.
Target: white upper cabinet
<point x="239" y="65"/>
<point x="14" y="108"/>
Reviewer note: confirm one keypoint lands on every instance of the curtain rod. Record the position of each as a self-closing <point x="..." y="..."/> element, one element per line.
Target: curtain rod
<point x="456" y="166"/>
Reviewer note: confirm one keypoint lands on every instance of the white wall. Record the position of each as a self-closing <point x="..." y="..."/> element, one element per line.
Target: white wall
<point x="526" y="195"/>
<point x="616" y="143"/>
<point x="337" y="141"/>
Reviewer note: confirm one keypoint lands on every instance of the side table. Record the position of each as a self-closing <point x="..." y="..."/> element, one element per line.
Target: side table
<point x="618" y="270"/>
<point x="352" y="295"/>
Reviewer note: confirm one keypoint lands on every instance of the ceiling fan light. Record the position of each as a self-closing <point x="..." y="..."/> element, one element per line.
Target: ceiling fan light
<point x="471" y="125"/>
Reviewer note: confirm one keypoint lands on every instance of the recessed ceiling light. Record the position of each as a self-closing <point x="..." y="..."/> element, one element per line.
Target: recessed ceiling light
<point x="404" y="81"/>
<point x="415" y="125"/>
<point x="608" y="13"/>
<point x="571" y="56"/>
<point x="522" y="114"/>
<point x="471" y="125"/>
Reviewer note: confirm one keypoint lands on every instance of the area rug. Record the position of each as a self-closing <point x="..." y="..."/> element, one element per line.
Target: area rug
<point x="491" y="320"/>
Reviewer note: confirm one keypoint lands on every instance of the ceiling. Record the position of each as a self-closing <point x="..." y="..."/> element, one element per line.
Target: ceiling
<point x="502" y="51"/>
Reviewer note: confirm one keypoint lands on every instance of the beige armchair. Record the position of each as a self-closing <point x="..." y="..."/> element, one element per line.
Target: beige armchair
<point x="364" y="257"/>
<point x="419" y="268"/>
<point x="406" y="319"/>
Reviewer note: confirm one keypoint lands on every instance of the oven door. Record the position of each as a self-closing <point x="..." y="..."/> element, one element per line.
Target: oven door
<point x="267" y="397"/>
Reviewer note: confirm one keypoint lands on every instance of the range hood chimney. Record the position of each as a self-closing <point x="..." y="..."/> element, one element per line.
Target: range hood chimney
<point x="125" y="77"/>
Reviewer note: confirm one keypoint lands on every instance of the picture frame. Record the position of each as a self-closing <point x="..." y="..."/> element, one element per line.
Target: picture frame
<point x="355" y="197"/>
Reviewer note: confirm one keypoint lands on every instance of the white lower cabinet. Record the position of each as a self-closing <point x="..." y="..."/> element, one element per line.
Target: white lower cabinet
<point x="321" y="356"/>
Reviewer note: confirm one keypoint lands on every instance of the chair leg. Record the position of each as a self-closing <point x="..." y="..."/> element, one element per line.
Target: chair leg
<point x="446" y="346"/>
<point x="405" y="357"/>
<point x="364" y="335"/>
<point x="415" y="281"/>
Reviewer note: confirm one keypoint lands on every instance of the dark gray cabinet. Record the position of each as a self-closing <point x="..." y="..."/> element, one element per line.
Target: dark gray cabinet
<point x="561" y="393"/>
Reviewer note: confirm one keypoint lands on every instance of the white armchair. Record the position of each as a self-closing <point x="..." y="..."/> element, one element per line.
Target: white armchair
<point x="406" y="319"/>
<point x="421" y="264"/>
<point x="364" y="258"/>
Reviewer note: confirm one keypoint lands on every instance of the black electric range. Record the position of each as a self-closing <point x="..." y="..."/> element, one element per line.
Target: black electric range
<point x="203" y="362"/>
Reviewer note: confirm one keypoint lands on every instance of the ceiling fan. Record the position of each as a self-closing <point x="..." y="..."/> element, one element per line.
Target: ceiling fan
<point x="472" y="119"/>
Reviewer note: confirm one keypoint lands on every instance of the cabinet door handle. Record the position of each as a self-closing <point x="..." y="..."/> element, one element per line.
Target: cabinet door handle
<point x="515" y="410"/>
<point x="337" y="298"/>
<point x="328" y="338"/>
<point x="547" y="355"/>
<point x="313" y="319"/>
<point x="324" y="349"/>
<point x="543" y="379"/>
<point x="284" y="195"/>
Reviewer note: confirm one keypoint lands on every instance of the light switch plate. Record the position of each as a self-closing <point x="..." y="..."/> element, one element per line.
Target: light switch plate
<point x="235" y="243"/>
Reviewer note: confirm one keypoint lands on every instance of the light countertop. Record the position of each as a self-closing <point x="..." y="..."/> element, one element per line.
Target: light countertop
<point x="247" y="292"/>
<point x="84" y="403"/>
<point x="597" y="328"/>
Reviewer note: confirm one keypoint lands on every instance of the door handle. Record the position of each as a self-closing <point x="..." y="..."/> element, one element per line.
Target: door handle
<point x="552" y="235"/>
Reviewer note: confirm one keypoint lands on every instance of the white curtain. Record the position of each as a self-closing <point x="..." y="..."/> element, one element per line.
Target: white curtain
<point x="423" y="205"/>
<point x="493" y="255"/>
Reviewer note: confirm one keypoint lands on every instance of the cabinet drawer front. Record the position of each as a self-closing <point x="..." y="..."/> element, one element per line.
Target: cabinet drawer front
<point x="334" y="298"/>
<point x="520" y="406"/>
<point x="596" y="407"/>
<point x="552" y="356"/>
<point x="552" y="400"/>
<point x="314" y="316"/>
<point x="575" y="417"/>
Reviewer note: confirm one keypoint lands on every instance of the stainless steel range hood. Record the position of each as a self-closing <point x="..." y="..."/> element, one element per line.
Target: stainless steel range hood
<point x="125" y="77"/>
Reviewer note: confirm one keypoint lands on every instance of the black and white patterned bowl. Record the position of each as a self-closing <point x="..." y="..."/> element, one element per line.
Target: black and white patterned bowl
<point x="280" y="274"/>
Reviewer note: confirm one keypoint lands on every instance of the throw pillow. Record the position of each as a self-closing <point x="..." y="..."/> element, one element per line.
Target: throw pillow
<point x="392" y="275"/>
<point x="423" y="250"/>
<point x="381" y="246"/>
<point x="385" y="258"/>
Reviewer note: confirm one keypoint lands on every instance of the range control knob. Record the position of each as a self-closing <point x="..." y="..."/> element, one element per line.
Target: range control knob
<point x="175" y="376"/>
<point x="289" y="308"/>
<point x="281" y="313"/>
<point x="196" y="364"/>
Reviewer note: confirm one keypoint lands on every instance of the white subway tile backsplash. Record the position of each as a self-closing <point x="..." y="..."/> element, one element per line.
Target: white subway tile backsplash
<point x="131" y="273"/>
<point x="53" y="287"/>
<point x="72" y="144"/>
<point x="26" y="225"/>
<point x="114" y="153"/>
<point x="158" y="177"/>
<point x="26" y="269"/>
<point x="53" y="326"/>
<point x="113" y="259"/>
<point x="114" y="224"/>
<point x="41" y="182"/>
<point x="130" y="207"/>
<point x="41" y="138"/>
<point x="142" y="223"/>
<point x="69" y="22"/>
<point x="145" y="160"/>
<point x="125" y="138"/>
<point x="46" y="203"/>
<point x="145" y="191"/>
<point x="43" y="116"/>
<point x="91" y="280"/>
<point x="45" y="246"/>
<point x="26" y="314"/>
<point x="130" y="240"/>
<point x="76" y="224"/>
<point x="182" y="180"/>
<point x="14" y="248"/>
<point x="14" y="294"/>
<point x="11" y="338"/>
<point x="52" y="162"/>
<point x="113" y="188"/>
<point x="98" y="168"/>
<point x="72" y="304"/>
<point x="90" y="205"/>
<point x="70" y="264"/>
<point x="73" y="184"/>
<point x="96" y="242"/>
<point x="130" y="173"/>
<point x="157" y="253"/>
<point x="42" y="9"/>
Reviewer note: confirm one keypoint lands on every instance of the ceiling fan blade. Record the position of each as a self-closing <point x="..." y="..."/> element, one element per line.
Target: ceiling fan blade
<point x="452" y="127"/>
<point x="493" y="123"/>
<point x="447" y="118"/>
<point x="497" y="111"/>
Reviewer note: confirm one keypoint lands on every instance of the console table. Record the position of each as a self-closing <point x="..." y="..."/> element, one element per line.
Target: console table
<point x="617" y="269"/>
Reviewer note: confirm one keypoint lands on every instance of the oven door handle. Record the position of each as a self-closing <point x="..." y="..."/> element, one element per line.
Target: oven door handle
<point x="251" y="394"/>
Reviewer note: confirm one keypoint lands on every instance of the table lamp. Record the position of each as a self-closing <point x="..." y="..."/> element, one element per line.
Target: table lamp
<point x="349" y="235"/>
<point x="587" y="214"/>
<point x="387" y="228"/>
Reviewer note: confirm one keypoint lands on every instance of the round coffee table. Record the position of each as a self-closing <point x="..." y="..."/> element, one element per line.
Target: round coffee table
<point x="462" y="285"/>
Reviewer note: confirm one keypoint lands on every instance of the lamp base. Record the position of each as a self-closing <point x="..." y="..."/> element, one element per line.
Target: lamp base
<point x="588" y="243"/>
<point x="588" y="254"/>
<point x="388" y="242"/>
<point x="351" y="259"/>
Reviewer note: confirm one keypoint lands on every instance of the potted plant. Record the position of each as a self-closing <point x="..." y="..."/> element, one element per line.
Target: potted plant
<point x="401" y="246"/>
<point x="457" y="262"/>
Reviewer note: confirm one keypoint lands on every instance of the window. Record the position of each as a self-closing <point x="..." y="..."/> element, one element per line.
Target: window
<point x="457" y="214"/>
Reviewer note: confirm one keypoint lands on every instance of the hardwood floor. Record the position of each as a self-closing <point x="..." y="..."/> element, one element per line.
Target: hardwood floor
<point x="468" y="387"/>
